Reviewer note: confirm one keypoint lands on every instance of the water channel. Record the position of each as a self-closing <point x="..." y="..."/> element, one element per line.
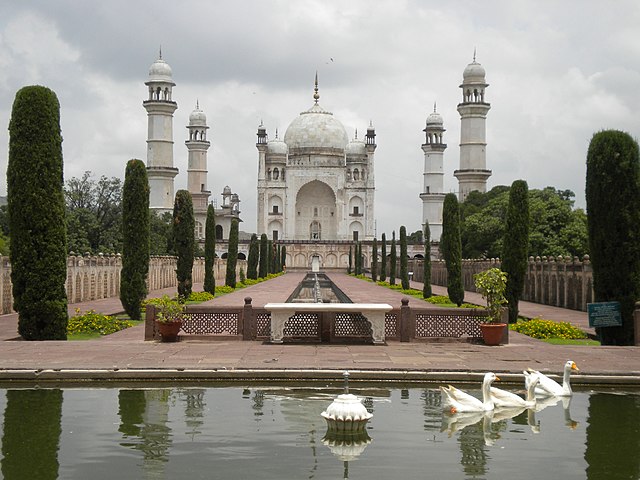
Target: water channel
<point x="277" y="433"/>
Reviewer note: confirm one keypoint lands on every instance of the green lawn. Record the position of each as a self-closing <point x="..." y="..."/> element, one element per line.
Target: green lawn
<point x="564" y="341"/>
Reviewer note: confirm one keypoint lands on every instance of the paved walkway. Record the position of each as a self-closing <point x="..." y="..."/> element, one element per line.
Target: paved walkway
<point x="125" y="356"/>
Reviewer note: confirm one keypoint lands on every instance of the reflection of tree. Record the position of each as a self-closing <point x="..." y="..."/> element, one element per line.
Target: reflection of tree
<point x="258" y="403"/>
<point x="194" y="410"/>
<point x="131" y="406"/>
<point x="613" y="437"/>
<point x="144" y="414"/>
<point x="472" y="446"/>
<point x="31" y="418"/>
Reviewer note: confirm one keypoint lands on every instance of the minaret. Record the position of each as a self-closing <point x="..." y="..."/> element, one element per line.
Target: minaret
<point x="160" y="108"/>
<point x="473" y="173"/>
<point x="370" y="183"/>
<point x="433" y="190"/>
<point x="197" y="144"/>
<point x="263" y="208"/>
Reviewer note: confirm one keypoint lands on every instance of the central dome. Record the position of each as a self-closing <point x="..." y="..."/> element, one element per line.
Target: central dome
<point x="316" y="128"/>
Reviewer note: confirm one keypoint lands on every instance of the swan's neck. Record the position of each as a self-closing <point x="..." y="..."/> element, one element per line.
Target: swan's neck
<point x="566" y="385"/>
<point x="531" y="392"/>
<point x="487" y="400"/>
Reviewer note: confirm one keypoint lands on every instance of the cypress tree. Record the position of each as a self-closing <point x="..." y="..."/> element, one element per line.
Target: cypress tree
<point x="36" y="210"/>
<point x="135" y="238"/>
<point x="404" y="272"/>
<point x="184" y="241"/>
<point x="516" y="245"/>
<point x="232" y="254"/>
<point x="210" y="251"/>
<point x="392" y="262"/>
<point x="252" y="262"/>
<point x="383" y="264"/>
<point x="426" y="264"/>
<point x="613" y="222"/>
<point x="277" y="259"/>
<point x="451" y="247"/>
<point x="356" y="259"/>
<point x="269" y="256"/>
<point x="350" y="266"/>
<point x="283" y="258"/>
<point x="264" y="265"/>
<point x="374" y="261"/>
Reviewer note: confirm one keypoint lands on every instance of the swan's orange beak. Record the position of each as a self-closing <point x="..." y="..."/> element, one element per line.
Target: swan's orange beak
<point x="497" y="378"/>
<point x="575" y="367"/>
<point x="453" y="410"/>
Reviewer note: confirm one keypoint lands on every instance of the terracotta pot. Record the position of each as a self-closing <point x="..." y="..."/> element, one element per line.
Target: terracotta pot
<point x="492" y="332"/>
<point x="169" y="331"/>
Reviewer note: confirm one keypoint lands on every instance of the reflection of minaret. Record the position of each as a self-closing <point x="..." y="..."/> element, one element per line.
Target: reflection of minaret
<point x="194" y="411"/>
<point x="155" y="434"/>
<point x="473" y="173"/>
<point x="160" y="108"/>
<point x="433" y="192"/>
<point x="31" y="434"/>
<point x="472" y="447"/>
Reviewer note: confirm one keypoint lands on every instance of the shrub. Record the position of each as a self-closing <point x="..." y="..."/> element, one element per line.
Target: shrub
<point x="263" y="265"/>
<point x="544" y="329"/>
<point x="426" y="264"/>
<point x="451" y="247"/>
<point x="404" y="272"/>
<point x="92" y="322"/>
<point x="200" y="297"/>
<point x="232" y="255"/>
<point x="252" y="262"/>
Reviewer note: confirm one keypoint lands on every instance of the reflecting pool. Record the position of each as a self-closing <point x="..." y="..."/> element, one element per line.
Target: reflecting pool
<point x="278" y="433"/>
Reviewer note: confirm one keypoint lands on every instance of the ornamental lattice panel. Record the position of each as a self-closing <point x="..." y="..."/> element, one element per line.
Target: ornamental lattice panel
<point x="391" y="325"/>
<point x="263" y="325"/>
<point x="434" y="325"/>
<point x="351" y="325"/>
<point x="213" y="323"/>
<point x="303" y="325"/>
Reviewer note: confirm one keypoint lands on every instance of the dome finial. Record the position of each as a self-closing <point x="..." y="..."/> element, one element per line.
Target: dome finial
<point x="434" y="107"/>
<point x="474" y="54"/>
<point x="316" y="95"/>
<point x="197" y="104"/>
<point x="276" y="133"/>
<point x="160" y="53"/>
<point x="356" y="133"/>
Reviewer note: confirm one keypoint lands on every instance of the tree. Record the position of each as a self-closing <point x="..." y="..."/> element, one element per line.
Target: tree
<point x="264" y="265"/>
<point x="232" y="255"/>
<point x="94" y="214"/>
<point x="392" y="267"/>
<point x="161" y="233"/>
<point x="350" y="266"/>
<point x="210" y="251"/>
<point x="426" y="264"/>
<point x="252" y="261"/>
<point x="269" y="256"/>
<point x="451" y="248"/>
<point x="283" y="257"/>
<point x="383" y="264"/>
<point x="374" y="261"/>
<point x="184" y="239"/>
<point x="516" y="245"/>
<point x="555" y="228"/>
<point x="404" y="272"/>
<point x="135" y="236"/>
<point x="613" y="212"/>
<point x="36" y="208"/>
<point x="415" y="238"/>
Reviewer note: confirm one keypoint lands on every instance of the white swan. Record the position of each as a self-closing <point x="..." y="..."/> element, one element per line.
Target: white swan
<point x="463" y="402"/>
<point x="548" y="386"/>
<point x="503" y="398"/>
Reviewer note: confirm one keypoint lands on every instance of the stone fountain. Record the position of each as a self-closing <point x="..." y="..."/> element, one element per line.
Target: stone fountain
<point x="346" y="415"/>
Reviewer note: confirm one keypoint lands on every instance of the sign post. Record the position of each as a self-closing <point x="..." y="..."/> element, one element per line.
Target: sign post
<point x="604" y="314"/>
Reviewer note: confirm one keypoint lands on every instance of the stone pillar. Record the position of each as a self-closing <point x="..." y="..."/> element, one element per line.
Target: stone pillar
<point x="405" y="321"/>
<point x="248" y="322"/>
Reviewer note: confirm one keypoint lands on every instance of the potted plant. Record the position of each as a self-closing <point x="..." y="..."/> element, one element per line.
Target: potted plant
<point x="491" y="284"/>
<point x="169" y="316"/>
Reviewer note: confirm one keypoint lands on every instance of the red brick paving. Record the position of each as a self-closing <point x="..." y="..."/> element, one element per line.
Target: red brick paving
<point x="124" y="352"/>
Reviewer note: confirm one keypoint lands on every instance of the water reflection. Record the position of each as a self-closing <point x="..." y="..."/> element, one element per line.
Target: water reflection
<point x="31" y="434"/>
<point x="278" y="432"/>
<point x="143" y="423"/>
<point x="613" y="437"/>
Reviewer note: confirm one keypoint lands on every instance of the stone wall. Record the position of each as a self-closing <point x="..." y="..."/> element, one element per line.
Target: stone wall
<point x="95" y="277"/>
<point x="562" y="282"/>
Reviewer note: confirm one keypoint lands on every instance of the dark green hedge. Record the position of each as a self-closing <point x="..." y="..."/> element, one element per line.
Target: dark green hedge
<point x="184" y="241"/>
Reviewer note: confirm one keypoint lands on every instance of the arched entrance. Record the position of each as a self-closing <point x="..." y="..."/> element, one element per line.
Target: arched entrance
<point x="316" y="216"/>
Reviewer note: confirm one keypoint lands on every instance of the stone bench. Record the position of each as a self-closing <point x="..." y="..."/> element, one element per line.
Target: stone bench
<point x="373" y="312"/>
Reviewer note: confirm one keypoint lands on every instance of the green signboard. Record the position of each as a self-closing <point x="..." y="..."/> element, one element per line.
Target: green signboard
<point x="604" y="314"/>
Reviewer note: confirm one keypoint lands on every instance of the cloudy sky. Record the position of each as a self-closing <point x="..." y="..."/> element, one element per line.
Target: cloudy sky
<point x="558" y="72"/>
